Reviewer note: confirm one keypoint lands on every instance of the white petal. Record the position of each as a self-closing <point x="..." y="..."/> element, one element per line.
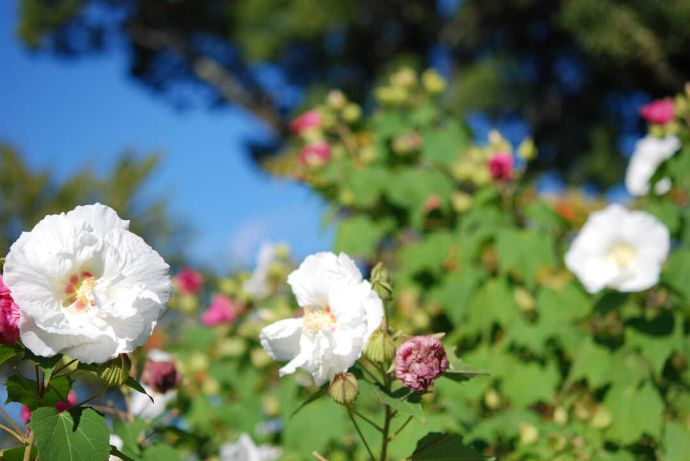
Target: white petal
<point x="282" y="339"/>
<point x="102" y="219"/>
<point x="312" y="280"/>
<point x="650" y="152"/>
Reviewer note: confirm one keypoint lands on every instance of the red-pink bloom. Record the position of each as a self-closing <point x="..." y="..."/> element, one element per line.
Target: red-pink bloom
<point x="501" y="166"/>
<point x="189" y="281"/>
<point x="432" y="202"/>
<point x="25" y="413"/>
<point x="161" y="376"/>
<point x="419" y="361"/>
<point x="222" y="310"/>
<point x="660" y="111"/>
<point x="315" y="154"/>
<point x="309" y="119"/>
<point x="9" y="316"/>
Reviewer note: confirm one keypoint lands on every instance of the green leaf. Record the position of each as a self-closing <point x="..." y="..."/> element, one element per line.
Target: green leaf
<point x="16" y="454"/>
<point x="134" y="384"/>
<point x="676" y="442"/>
<point x="161" y="453"/>
<point x="6" y="353"/>
<point x="655" y="338"/>
<point x="460" y="371"/>
<point x="443" y="145"/>
<point x="131" y="432"/>
<point x="667" y="212"/>
<point x="677" y="272"/>
<point x="46" y="363"/>
<point x="73" y="435"/>
<point x="313" y="397"/>
<point x="456" y="290"/>
<point x="23" y="390"/>
<point x="492" y="303"/>
<point x="530" y="383"/>
<point x="593" y="363"/>
<point x="359" y="235"/>
<point x="436" y="446"/>
<point x="523" y="253"/>
<point x="403" y="401"/>
<point x="634" y="411"/>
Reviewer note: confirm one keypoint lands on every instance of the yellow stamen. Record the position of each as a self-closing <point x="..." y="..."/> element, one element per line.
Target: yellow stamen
<point x="315" y="318"/>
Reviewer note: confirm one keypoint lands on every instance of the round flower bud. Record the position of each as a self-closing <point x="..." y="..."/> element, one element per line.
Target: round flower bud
<point x="380" y="282"/>
<point x="116" y="371"/>
<point x="352" y="112"/>
<point x="336" y="99"/>
<point x="380" y="348"/>
<point x="344" y="388"/>
<point x="527" y="150"/>
<point x="161" y="376"/>
<point x="433" y="82"/>
<point x="528" y="433"/>
<point x="419" y="361"/>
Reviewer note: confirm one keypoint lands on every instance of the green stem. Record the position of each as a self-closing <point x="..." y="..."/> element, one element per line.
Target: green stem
<point x="55" y="372"/>
<point x="361" y="436"/>
<point x="386" y="430"/>
<point x="27" y="450"/>
<point x="13" y="433"/>
<point x="379" y="428"/>
<point x="14" y="425"/>
<point x="407" y="421"/>
<point x="95" y="396"/>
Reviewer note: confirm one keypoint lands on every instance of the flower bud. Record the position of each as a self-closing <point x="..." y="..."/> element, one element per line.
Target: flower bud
<point x="433" y="82"/>
<point x="419" y="361"/>
<point x="344" y="388"/>
<point x="189" y="281"/>
<point x="528" y="433"/>
<point x="501" y="166"/>
<point x="352" y="112"/>
<point x="116" y="371"/>
<point x="405" y="77"/>
<point x="461" y="201"/>
<point x="527" y="150"/>
<point x="380" y="348"/>
<point x="336" y="99"/>
<point x="380" y="282"/>
<point x="161" y="376"/>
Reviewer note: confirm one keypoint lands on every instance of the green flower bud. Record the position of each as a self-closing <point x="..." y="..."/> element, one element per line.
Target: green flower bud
<point x="344" y="388"/>
<point x="433" y="82"/>
<point x="380" y="282"/>
<point x="380" y="348"/>
<point x="461" y="201"/>
<point x="352" y="112"/>
<point x="336" y="99"/>
<point x="116" y="371"/>
<point x="405" y="77"/>
<point x="527" y="150"/>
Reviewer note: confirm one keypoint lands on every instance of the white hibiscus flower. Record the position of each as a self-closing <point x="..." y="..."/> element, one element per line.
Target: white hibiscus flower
<point x="86" y="286"/>
<point x="341" y="311"/>
<point x="650" y="152"/>
<point x="141" y="406"/>
<point x="245" y="450"/>
<point x="619" y="249"/>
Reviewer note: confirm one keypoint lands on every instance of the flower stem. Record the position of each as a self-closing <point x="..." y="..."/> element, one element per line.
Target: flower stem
<point x="385" y="438"/>
<point x="14" y="425"/>
<point x="29" y="444"/>
<point x="407" y="421"/>
<point x="379" y="428"/>
<point x="13" y="433"/>
<point x="63" y="367"/>
<point x="361" y="436"/>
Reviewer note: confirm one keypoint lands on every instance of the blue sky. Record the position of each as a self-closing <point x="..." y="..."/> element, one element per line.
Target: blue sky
<point x="65" y="115"/>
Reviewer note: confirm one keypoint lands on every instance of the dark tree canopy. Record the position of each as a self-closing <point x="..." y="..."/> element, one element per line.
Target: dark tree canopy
<point x="574" y="71"/>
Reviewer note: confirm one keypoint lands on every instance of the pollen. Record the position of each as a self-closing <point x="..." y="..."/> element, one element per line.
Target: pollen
<point x="316" y="318"/>
<point x="79" y="289"/>
<point x="623" y="255"/>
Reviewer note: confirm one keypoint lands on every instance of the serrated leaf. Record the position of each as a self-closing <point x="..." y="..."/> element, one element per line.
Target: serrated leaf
<point x="359" y="235"/>
<point x="634" y="412"/>
<point x="403" y="401"/>
<point x="72" y="435"/>
<point x="523" y="253"/>
<point x="436" y="446"/>
<point x="459" y="371"/>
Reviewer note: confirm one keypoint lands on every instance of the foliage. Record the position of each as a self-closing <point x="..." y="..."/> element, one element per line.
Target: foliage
<point x="577" y="64"/>
<point x="28" y="195"/>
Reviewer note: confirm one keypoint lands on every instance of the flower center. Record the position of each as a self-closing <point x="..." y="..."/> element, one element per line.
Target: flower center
<point x="623" y="255"/>
<point x="79" y="289"/>
<point x="315" y="318"/>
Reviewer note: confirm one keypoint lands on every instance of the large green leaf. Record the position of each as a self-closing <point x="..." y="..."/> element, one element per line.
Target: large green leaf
<point x="676" y="442"/>
<point x="6" y="353"/>
<point x="634" y="411"/>
<point x="161" y="453"/>
<point x="73" y="435"/>
<point x="677" y="271"/>
<point x="523" y="253"/>
<point x="593" y="363"/>
<point x="436" y="446"/>
<point x="443" y="145"/>
<point x="403" y="401"/>
<point x="359" y="235"/>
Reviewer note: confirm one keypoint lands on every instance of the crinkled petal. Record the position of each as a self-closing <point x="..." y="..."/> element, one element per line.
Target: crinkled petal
<point x="282" y="339"/>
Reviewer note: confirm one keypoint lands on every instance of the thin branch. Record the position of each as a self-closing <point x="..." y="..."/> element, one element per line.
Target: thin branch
<point x="395" y="434"/>
<point x="14" y="425"/>
<point x="319" y="456"/>
<point x="13" y="433"/>
<point x="361" y="436"/>
<point x="379" y="428"/>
